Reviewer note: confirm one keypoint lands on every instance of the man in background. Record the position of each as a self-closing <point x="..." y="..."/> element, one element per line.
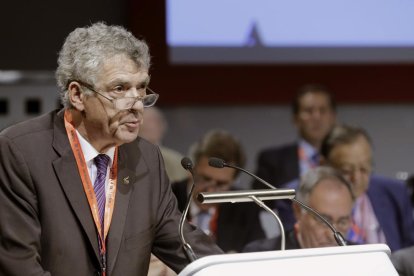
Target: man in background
<point x="314" y="114"/>
<point x="232" y="226"/>
<point x="327" y="192"/>
<point x="154" y="128"/>
<point x="382" y="212"/>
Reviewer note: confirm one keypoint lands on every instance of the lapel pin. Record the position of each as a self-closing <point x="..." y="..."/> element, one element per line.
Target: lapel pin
<point x="126" y="180"/>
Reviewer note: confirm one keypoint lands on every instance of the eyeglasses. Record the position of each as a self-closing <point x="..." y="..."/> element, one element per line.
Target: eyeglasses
<point x="342" y="224"/>
<point x="127" y="103"/>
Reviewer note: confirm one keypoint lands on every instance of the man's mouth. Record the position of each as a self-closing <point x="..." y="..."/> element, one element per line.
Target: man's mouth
<point x="132" y="124"/>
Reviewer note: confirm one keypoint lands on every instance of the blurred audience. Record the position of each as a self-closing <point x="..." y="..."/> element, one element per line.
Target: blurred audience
<point x="153" y="129"/>
<point x="231" y="225"/>
<point x="325" y="190"/>
<point x="314" y="114"/>
<point x="382" y="212"/>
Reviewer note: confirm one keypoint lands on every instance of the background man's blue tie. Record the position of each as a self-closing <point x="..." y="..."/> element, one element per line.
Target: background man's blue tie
<point x="101" y="162"/>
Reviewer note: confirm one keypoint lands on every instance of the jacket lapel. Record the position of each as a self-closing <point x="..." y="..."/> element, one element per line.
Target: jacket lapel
<point x="68" y="175"/>
<point x="129" y="167"/>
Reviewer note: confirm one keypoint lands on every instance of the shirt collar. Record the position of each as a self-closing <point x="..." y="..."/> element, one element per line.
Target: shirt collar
<point x="89" y="152"/>
<point x="308" y="149"/>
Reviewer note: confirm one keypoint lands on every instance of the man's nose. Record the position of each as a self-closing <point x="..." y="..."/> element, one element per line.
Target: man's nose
<point x="137" y="104"/>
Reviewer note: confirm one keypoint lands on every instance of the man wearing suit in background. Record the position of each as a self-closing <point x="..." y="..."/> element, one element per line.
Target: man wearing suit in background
<point x="153" y="129"/>
<point x="382" y="211"/>
<point x="231" y="225"/>
<point x="80" y="194"/>
<point x="314" y="114"/>
<point x="326" y="191"/>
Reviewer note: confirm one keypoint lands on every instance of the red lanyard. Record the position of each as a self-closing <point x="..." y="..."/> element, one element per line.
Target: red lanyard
<point x="88" y="188"/>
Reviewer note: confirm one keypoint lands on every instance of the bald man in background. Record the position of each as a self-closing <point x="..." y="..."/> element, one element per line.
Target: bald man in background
<point x="153" y="129"/>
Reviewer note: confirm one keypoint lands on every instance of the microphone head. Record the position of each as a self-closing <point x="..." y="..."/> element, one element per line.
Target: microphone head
<point x="187" y="163"/>
<point x="216" y="162"/>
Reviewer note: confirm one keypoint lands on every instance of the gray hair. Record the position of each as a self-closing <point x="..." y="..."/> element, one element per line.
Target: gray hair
<point x="342" y="135"/>
<point x="314" y="176"/>
<point x="85" y="49"/>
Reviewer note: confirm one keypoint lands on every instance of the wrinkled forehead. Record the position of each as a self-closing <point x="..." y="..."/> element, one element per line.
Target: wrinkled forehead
<point x="358" y="151"/>
<point x="122" y="69"/>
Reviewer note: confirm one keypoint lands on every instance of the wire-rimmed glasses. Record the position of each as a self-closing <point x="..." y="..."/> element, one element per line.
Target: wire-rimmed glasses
<point x="126" y="103"/>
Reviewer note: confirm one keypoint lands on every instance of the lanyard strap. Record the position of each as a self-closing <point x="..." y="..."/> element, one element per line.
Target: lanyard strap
<point x="88" y="188"/>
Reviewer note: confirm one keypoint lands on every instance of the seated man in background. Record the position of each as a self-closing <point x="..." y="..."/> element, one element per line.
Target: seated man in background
<point x="325" y="190"/>
<point x="231" y="225"/>
<point x="382" y="211"/>
<point x="314" y="115"/>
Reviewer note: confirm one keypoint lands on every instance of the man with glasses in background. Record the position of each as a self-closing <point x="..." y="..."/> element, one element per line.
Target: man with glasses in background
<point x="382" y="210"/>
<point x="231" y="225"/>
<point x="329" y="193"/>
<point x="80" y="193"/>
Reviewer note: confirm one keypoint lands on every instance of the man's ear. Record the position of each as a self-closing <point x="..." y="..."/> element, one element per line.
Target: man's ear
<point x="76" y="97"/>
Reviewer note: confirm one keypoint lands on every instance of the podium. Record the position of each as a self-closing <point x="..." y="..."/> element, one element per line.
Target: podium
<point x="372" y="259"/>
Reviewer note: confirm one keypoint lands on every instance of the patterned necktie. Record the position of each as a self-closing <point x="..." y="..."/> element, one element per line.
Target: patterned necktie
<point x="101" y="162"/>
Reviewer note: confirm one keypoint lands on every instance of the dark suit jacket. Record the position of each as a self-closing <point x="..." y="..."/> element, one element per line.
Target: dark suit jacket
<point x="237" y="224"/>
<point x="47" y="226"/>
<point x="274" y="243"/>
<point x="392" y="207"/>
<point x="278" y="165"/>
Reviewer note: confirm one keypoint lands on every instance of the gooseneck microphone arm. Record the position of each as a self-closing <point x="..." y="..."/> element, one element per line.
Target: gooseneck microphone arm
<point x="337" y="235"/>
<point x="219" y="163"/>
<point x="187" y="165"/>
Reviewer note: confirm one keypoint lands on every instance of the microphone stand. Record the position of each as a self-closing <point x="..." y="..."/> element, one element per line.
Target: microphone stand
<point x="251" y="195"/>
<point x="282" y="229"/>
<point x="187" y="165"/>
<point x="187" y="247"/>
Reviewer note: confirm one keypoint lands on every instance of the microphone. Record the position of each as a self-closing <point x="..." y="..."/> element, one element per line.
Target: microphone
<point x="220" y="163"/>
<point x="187" y="165"/>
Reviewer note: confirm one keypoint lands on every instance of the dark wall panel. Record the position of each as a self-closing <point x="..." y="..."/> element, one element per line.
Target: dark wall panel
<point x="32" y="32"/>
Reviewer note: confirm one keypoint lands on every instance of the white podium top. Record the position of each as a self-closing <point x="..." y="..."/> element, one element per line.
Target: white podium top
<point x="353" y="260"/>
